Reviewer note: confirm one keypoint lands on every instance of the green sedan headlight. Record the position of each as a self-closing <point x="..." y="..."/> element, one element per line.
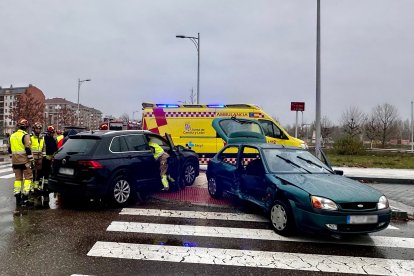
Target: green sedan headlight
<point x="323" y="203"/>
<point x="382" y="203"/>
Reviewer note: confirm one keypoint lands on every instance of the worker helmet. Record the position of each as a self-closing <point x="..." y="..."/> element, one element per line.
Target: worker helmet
<point x="38" y="125"/>
<point x="50" y="129"/>
<point x="104" y="127"/>
<point x="23" y="123"/>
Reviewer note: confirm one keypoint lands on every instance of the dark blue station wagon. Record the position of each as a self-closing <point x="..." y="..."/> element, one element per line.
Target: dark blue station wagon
<point x="118" y="165"/>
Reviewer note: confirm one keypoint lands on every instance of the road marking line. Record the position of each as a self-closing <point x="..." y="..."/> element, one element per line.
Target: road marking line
<point x="200" y="215"/>
<point x="7" y="176"/>
<point x="9" y="169"/>
<point x="192" y="214"/>
<point x="250" y="258"/>
<point x="247" y="233"/>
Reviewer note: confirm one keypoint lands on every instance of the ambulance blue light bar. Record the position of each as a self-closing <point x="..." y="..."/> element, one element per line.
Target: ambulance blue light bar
<point x="167" y="105"/>
<point x="215" y="105"/>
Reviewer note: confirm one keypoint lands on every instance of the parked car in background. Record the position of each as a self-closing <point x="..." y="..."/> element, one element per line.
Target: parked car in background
<point x="295" y="188"/>
<point x="118" y="165"/>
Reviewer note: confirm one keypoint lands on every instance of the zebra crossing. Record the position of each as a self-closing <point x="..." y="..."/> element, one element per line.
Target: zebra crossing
<point x="5" y="167"/>
<point x="246" y="240"/>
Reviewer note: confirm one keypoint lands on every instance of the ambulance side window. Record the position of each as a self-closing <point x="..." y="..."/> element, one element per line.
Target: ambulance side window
<point x="271" y="129"/>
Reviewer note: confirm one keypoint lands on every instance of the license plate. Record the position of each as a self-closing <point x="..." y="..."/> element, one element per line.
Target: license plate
<point x="67" y="171"/>
<point x="362" y="219"/>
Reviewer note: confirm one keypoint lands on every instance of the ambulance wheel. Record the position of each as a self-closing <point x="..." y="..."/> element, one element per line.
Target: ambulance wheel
<point x="189" y="173"/>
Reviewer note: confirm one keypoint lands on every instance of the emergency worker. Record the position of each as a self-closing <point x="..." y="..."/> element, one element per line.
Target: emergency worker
<point x="59" y="136"/>
<point x="51" y="148"/>
<point x="38" y="150"/>
<point x="22" y="159"/>
<point x="162" y="156"/>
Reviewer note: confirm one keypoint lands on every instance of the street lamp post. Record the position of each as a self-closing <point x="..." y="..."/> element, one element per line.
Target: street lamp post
<point x="196" y="41"/>
<point x="318" y="81"/>
<point x="79" y="85"/>
<point x="412" y="127"/>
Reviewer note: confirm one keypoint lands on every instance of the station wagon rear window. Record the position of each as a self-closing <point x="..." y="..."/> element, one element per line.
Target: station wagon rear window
<point x="79" y="145"/>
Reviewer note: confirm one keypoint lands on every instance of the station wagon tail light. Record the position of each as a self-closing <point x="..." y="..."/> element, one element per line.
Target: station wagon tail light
<point x="382" y="203"/>
<point x="323" y="203"/>
<point x="92" y="164"/>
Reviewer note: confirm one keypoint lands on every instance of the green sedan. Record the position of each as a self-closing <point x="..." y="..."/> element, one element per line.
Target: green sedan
<point x="295" y="188"/>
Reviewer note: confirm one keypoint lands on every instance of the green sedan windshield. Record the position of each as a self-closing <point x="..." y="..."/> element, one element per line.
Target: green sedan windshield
<point x="293" y="161"/>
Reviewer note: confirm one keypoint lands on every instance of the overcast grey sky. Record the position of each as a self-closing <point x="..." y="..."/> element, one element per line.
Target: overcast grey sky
<point x="252" y="51"/>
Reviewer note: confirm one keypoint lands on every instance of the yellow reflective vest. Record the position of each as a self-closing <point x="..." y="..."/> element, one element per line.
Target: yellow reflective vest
<point x="18" y="145"/>
<point x="158" y="150"/>
<point x="16" y="142"/>
<point x="38" y="146"/>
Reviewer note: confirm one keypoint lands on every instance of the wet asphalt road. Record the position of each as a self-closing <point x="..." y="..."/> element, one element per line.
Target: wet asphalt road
<point x="56" y="241"/>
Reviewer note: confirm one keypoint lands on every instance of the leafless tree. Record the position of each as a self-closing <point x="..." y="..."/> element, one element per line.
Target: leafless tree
<point x="67" y="116"/>
<point x="28" y="107"/>
<point x="371" y="129"/>
<point x="125" y="117"/>
<point x="326" y="128"/>
<point x="387" y="116"/>
<point x="352" y="121"/>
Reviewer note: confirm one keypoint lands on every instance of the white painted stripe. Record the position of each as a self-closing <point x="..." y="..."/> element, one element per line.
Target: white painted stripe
<point x="249" y="258"/>
<point x="390" y="227"/>
<point x="6" y="170"/>
<point x="193" y="214"/>
<point x="6" y="165"/>
<point x="7" y="176"/>
<point x="247" y="233"/>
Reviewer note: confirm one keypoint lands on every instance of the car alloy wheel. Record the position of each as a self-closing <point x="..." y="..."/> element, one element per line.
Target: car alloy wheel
<point x="122" y="191"/>
<point x="189" y="174"/>
<point x="281" y="218"/>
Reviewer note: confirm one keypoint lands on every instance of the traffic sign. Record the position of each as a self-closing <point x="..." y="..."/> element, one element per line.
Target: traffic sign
<point x="297" y="106"/>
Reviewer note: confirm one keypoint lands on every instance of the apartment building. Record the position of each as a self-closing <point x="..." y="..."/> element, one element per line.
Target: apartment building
<point x="8" y="99"/>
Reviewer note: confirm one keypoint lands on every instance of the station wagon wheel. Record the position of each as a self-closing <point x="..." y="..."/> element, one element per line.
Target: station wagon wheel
<point x="189" y="173"/>
<point x="214" y="188"/>
<point x="121" y="191"/>
<point x="281" y="218"/>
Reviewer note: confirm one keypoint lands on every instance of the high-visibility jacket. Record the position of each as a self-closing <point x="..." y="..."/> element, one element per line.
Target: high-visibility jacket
<point x="38" y="146"/>
<point x="59" y="137"/>
<point x="158" y="150"/>
<point x="20" y="147"/>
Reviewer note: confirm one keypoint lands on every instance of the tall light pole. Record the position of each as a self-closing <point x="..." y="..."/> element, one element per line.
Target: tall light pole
<point x="79" y="85"/>
<point x="412" y="127"/>
<point x="318" y="81"/>
<point x="196" y="41"/>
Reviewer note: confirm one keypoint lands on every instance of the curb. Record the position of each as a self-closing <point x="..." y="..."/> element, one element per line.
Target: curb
<point x="383" y="180"/>
<point x="397" y="214"/>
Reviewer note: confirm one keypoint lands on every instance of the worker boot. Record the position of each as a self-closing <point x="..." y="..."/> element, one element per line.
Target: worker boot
<point x="25" y="201"/>
<point x="164" y="182"/>
<point x="18" y="199"/>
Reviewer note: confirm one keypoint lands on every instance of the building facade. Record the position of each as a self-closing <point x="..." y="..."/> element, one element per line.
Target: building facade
<point x="60" y="112"/>
<point x="8" y="100"/>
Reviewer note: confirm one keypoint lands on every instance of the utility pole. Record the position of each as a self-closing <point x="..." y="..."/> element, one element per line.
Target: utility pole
<point x="412" y="127"/>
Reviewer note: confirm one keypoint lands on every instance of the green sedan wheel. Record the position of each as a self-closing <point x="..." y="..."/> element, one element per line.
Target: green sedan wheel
<point x="281" y="218"/>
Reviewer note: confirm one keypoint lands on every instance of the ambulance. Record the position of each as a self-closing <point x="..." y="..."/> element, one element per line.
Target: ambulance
<point x="190" y="125"/>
